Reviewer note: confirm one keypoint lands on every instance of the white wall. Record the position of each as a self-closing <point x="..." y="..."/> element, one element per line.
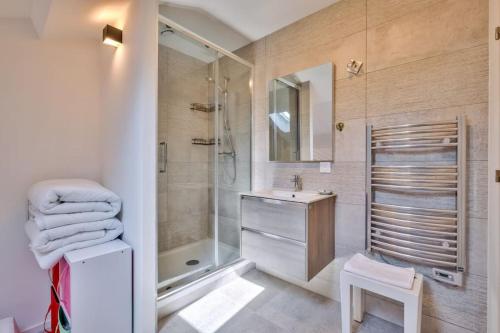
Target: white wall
<point x="129" y="146"/>
<point x="78" y="109"/>
<point x="49" y="127"/>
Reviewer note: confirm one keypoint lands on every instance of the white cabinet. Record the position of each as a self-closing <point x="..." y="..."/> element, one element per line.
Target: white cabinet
<point x="96" y="288"/>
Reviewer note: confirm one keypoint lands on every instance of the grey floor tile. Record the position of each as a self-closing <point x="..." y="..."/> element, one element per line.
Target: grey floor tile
<point x="282" y="307"/>
<point x="372" y="324"/>
<point x="297" y="309"/>
<point x="249" y="322"/>
<point x="174" y="324"/>
<point x="272" y="288"/>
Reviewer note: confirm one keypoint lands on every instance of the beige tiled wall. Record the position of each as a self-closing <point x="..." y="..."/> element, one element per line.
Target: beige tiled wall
<point x="183" y="191"/>
<point x="423" y="60"/>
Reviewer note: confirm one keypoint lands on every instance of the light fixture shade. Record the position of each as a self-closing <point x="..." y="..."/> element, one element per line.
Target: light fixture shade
<point x="112" y="36"/>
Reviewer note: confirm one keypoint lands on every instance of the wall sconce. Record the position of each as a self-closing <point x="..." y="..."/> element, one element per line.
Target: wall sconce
<point x="112" y="36"/>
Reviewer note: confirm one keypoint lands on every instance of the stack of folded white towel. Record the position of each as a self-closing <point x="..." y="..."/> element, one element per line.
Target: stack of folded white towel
<point x="69" y="214"/>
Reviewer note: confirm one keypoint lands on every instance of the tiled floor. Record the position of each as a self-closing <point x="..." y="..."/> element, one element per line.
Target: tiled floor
<point x="258" y="302"/>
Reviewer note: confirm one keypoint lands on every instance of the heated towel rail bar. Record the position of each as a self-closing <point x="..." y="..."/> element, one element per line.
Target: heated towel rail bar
<point x="424" y="233"/>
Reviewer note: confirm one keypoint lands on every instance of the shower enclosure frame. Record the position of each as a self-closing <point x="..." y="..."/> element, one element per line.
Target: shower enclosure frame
<point x="219" y="50"/>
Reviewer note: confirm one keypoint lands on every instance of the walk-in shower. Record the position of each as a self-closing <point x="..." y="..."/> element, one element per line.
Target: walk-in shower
<point x="204" y="135"/>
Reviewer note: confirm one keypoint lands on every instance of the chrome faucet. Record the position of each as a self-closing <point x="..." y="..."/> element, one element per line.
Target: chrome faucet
<point x="297" y="182"/>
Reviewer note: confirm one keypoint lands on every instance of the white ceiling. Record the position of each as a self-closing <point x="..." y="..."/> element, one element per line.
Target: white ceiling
<point x="257" y="18"/>
<point x="15" y="8"/>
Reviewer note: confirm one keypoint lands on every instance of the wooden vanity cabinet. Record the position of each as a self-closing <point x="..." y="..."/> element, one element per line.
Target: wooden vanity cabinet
<point x="288" y="238"/>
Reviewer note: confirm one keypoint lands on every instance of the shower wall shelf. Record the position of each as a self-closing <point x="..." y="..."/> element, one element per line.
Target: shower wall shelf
<point x="400" y="227"/>
<point x="203" y="142"/>
<point x="203" y="107"/>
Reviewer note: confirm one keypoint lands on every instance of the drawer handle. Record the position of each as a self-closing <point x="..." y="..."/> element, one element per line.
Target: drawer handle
<point x="275" y="201"/>
<point x="275" y="237"/>
<point x="271" y="201"/>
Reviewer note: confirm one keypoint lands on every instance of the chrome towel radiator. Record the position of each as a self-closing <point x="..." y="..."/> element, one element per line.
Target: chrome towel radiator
<point x="416" y="210"/>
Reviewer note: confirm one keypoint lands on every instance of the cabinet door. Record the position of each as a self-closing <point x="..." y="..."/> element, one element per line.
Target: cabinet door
<point x="275" y="254"/>
<point x="281" y="218"/>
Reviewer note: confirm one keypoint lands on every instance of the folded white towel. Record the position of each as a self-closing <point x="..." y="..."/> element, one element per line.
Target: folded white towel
<point x="385" y="273"/>
<point x="48" y="240"/>
<point x="45" y="222"/>
<point x="66" y="196"/>
<point x="47" y="260"/>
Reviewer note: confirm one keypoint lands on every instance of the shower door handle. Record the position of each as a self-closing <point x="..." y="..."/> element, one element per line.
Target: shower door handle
<point x="163" y="157"/>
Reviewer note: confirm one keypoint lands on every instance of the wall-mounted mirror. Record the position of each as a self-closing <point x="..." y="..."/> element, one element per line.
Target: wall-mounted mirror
<point x="301" y="116"/>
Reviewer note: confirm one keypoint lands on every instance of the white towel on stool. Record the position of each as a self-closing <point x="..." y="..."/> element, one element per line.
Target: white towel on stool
<point x="385" y="273"/>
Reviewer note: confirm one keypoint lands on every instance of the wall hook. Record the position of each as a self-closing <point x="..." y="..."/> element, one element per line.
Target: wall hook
<point x="339" y="126"/>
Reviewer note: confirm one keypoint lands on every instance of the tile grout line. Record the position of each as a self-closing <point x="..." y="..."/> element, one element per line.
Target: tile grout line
<point x="427" y="58"/>
<point x="398" y="17"/>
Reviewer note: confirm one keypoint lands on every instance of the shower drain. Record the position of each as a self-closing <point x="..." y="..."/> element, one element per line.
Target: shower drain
<point x="192" y="262"/>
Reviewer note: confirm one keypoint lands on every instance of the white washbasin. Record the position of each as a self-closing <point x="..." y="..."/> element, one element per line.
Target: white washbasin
<point x="294" y="195"/>
<point x="299" y="196"/>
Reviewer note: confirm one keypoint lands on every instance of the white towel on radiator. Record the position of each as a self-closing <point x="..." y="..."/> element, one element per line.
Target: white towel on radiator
<point x="385" y="273"/>
<point x="48" y="240"/>
<point x="66" y="196"/>
<point x="47" y="260"/>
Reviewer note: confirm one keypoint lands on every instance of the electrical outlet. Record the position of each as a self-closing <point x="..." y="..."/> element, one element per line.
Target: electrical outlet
<point x="453" y="278"/>
<point x="325" y="167"/>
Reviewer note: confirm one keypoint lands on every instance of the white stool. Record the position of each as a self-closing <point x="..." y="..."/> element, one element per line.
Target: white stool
<point x="411" y="299"/>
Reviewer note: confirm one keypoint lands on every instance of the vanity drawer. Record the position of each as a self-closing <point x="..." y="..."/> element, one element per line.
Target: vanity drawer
<point x="281" y="218"/>
<point x="274" y="253"/>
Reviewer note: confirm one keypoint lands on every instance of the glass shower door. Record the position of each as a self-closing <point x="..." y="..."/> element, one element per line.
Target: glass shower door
<point x="234" y="153"/>
<point x="204" y="136"/>
<point x="185" y="242"/>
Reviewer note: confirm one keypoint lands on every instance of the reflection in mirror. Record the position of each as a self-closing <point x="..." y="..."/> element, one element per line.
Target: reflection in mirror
<point x="301" y="116"/>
